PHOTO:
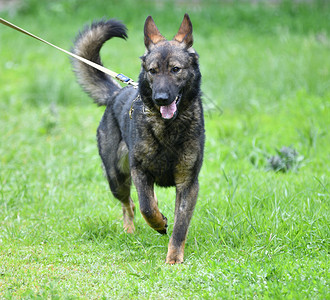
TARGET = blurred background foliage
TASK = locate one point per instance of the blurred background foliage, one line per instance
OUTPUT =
(253, 54)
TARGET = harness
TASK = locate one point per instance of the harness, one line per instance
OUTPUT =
(145, 109)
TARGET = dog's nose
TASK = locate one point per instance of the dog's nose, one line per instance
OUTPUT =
(161, 98)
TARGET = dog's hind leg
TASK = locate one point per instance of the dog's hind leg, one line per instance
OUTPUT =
(128, 215)
(122, 188)
(148, 201)
(114, 155)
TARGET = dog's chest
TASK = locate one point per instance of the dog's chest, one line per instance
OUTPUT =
(158, 155)
(166, 151)
(162, 152)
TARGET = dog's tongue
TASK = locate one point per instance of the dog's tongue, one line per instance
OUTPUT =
(168, 111)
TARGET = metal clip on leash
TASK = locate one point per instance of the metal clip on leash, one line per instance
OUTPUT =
(127, 80)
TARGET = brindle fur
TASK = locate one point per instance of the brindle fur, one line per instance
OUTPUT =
(147, 148)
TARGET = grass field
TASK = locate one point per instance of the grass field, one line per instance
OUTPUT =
(255, 233)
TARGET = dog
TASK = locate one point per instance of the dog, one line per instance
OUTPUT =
(153, 135)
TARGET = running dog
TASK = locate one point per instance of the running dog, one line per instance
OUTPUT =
(153, 134)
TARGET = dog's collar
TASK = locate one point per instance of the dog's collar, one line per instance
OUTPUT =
(145, 110)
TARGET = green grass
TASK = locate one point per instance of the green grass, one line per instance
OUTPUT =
(255, 233)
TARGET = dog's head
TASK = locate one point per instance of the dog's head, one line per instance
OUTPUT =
(168, 67)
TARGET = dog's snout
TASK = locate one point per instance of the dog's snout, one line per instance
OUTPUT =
(161, 98)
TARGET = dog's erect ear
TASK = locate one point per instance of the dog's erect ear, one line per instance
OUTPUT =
(184, 34)
(151, 33)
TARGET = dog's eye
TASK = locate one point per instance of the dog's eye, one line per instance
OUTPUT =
(152, 71)
(175, 69)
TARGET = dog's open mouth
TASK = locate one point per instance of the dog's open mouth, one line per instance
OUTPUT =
(170, 111)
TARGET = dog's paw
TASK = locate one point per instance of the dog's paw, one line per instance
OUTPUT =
(163, 230)
(129, 228)
(174, 254)
(171, 260)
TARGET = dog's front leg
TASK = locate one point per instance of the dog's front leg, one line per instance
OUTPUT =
(148, 201)
(186, 197)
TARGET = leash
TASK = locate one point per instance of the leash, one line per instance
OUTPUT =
(118, 76)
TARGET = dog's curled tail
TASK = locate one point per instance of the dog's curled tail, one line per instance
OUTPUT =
(98, 85)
